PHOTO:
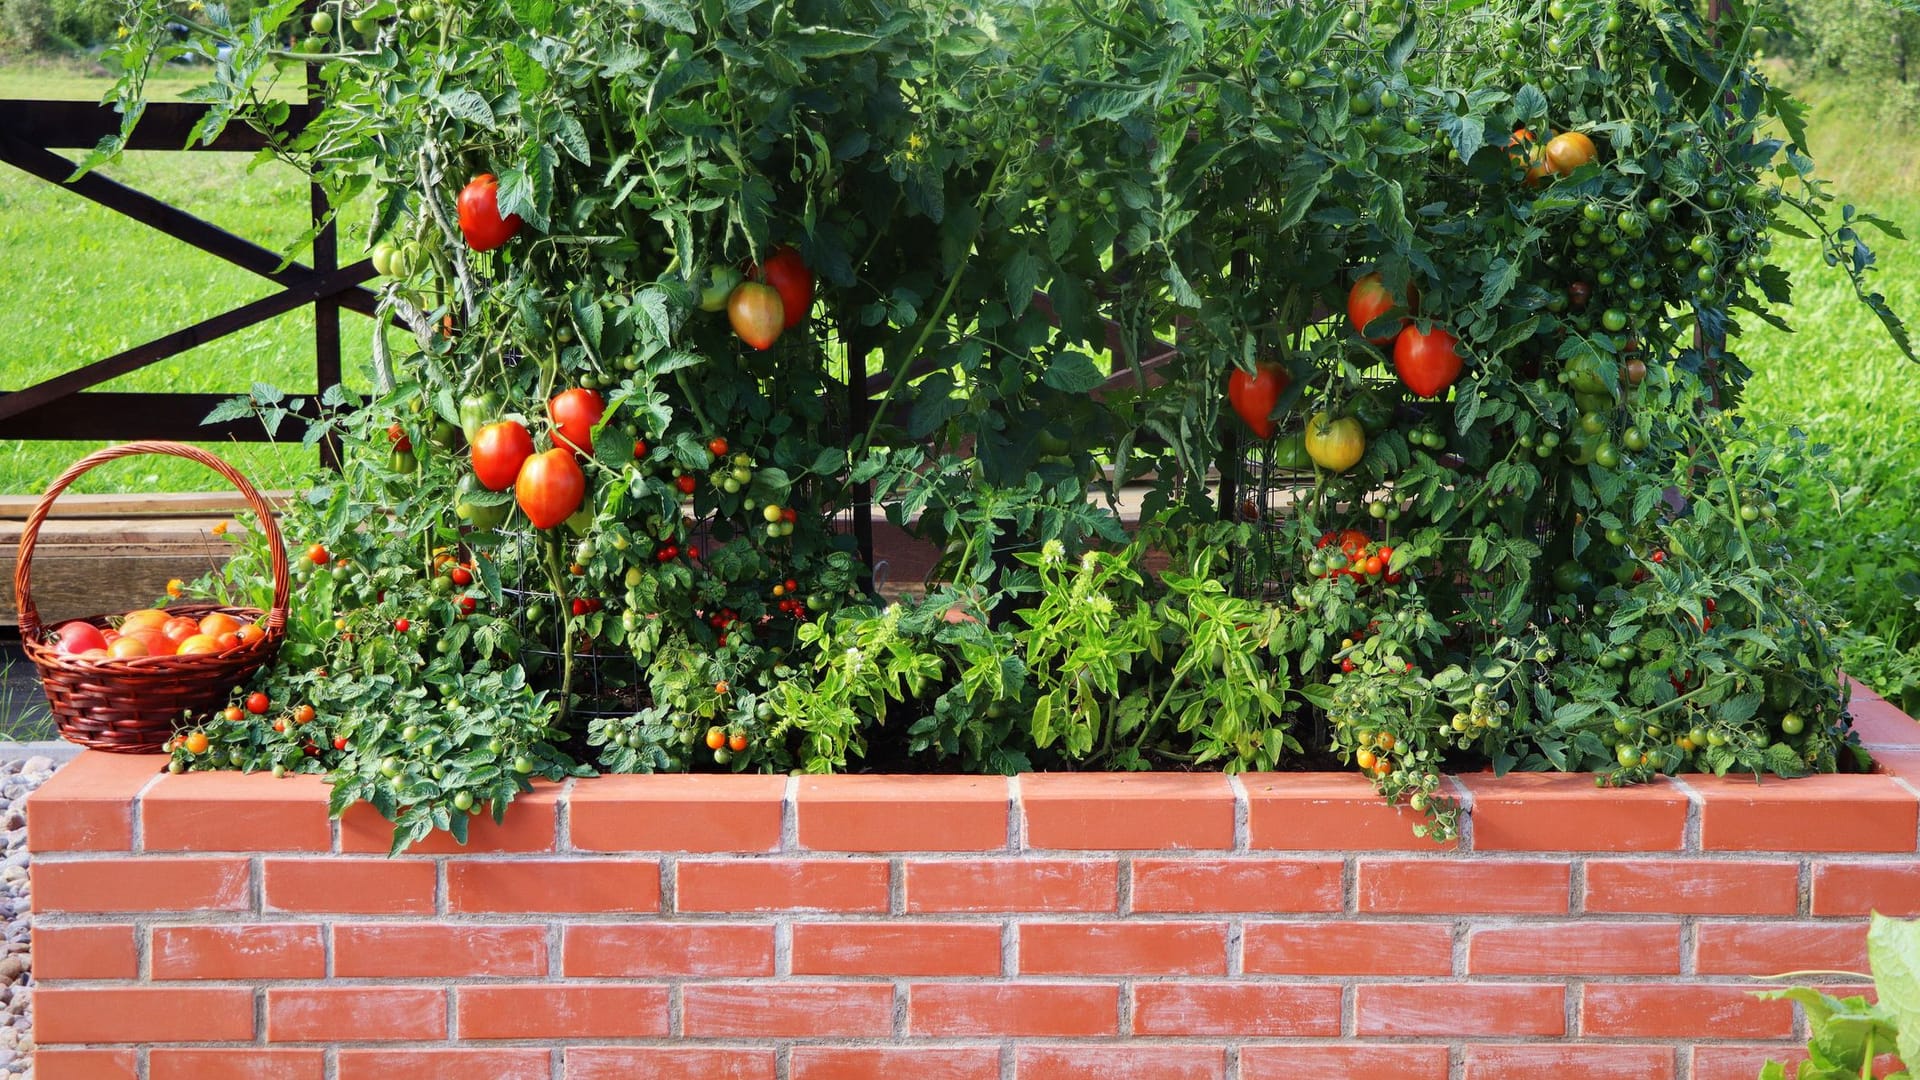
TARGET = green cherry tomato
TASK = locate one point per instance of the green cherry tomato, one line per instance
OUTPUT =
(1614, 320)
(1793, 724)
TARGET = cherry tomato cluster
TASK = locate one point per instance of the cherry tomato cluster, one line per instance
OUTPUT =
(1354, 554)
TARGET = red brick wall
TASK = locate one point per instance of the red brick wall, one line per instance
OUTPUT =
(1051, 927)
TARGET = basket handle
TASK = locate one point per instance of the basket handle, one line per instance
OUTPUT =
(276, 619)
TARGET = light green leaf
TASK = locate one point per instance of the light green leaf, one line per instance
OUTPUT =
(1893, 950)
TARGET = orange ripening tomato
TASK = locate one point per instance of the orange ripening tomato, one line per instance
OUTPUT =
(157, 643)
(126, 648)
(199, 645)
(180, 628)
(249, 633)
(1568, 151)
(1369, 300)
(215, 623)
(1525, 152)
(144, 617)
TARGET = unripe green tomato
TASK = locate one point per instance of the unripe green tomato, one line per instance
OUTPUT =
(463, 801)
(322, 22)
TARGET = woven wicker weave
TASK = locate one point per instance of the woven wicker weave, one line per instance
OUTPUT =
(133, 706)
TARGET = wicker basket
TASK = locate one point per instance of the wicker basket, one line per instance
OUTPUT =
(132, 706)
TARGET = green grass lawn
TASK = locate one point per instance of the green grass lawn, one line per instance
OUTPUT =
(84, 282)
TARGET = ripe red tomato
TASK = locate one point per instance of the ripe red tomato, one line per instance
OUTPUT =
(757, 313)
(574, 414)
(789, 276)
(550, 487)
(1254, 395)
(686, 483)
(717, 446)
(317, 554)
(1568, 151)
(480, 220)
(258, 703)
(1368, 300)
(1427, 362)
(498, 452)
(78, 637)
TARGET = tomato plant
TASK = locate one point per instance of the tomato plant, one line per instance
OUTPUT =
(1028, 244)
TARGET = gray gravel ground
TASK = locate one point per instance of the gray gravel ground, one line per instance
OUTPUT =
(19, 775)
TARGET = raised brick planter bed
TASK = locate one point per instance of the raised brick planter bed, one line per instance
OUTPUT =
(1050, 927)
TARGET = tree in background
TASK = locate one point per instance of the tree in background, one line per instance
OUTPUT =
(26, 25)
(1873, 40)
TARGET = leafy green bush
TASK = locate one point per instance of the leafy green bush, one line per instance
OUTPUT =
(1533, 534)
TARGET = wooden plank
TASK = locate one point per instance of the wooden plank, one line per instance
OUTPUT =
(138, 504)
(80, 125)
(124, 417)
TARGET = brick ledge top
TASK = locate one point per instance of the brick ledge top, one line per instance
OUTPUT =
(109, 802)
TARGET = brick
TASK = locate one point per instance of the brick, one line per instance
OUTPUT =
(1348, 948)
(832, 1063)
(1566, 812)
(1133, 948)
(1051, 885)
(1582, 948)
(1677, 1011)
(1570, 1062)
(252, 1063)
(1108, 1062)
(1368, 1061)
(142, 1015)
(1470, 1009)
(1118, 811)
(144, 885)
(903, 813)
(1012, 1010)
(1727, 1062)
(767, 1010)
(1880, 723)
(1691, 887)
(1258, 885)
(1326, 812)
(1773, 948)
(1476, 887)
(635, 950)
(434, 951)
(597, 1011)
(530, 826)
(677, 813)
(1266, 1010)
(1858, 888)
(362, 1013)
(87, 804)
(1732, 1062)
(54, 1063)
(668, 1063)
(553, 885)
(232, 811)
(348, 886)
(84, 952)
(463, 1064)
(1904, 764)
(896, 948)
(782, 885)
(269, 951)
(1812, 813)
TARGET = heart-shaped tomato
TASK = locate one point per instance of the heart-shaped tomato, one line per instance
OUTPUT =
(1255, 394)
(550, 487)
(1369, 299)
(479, 212)
(757, 314)
(787, 272)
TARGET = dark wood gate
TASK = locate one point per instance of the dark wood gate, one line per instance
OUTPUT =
(64, 407)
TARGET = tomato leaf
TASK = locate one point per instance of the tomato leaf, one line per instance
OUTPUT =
(1073, 373)
(1893, 950)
